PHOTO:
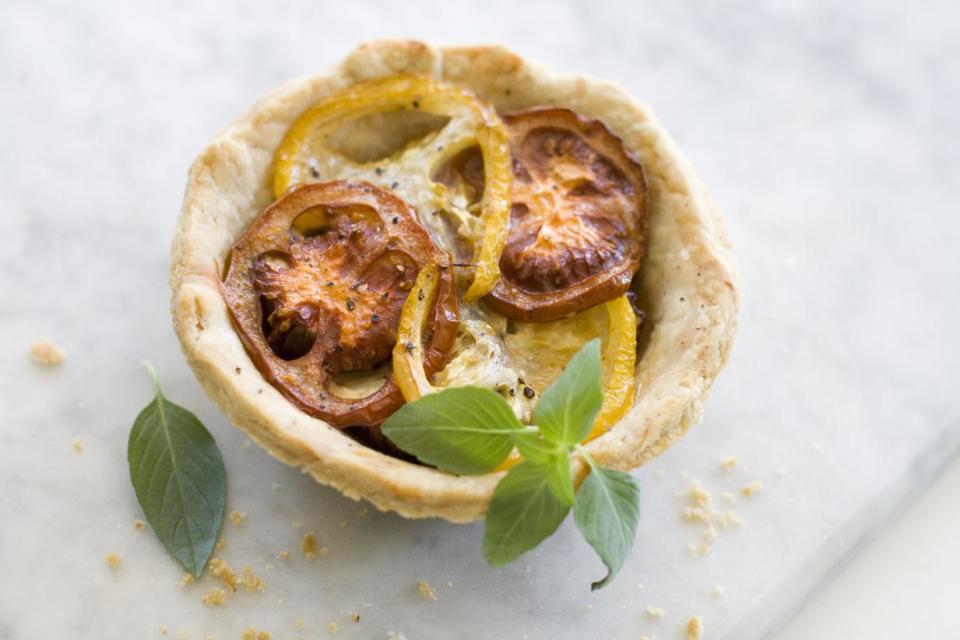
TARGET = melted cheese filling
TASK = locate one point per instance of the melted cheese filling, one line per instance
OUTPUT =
(480, 356)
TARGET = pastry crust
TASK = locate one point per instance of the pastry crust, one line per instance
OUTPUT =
(689, 283)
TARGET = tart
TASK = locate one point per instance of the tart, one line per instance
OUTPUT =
(422, 217)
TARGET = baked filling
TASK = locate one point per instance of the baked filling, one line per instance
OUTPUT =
(485, 250)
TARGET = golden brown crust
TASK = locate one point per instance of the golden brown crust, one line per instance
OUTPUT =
(688, 280)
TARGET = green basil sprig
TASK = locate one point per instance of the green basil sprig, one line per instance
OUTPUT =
(178, 476)
(469, 430)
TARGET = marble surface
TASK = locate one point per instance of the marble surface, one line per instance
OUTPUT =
(903, 585)
(827, 135)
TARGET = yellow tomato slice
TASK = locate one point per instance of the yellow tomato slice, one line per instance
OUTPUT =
(545, 348)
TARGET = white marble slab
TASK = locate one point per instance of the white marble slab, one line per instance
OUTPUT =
(827, 135)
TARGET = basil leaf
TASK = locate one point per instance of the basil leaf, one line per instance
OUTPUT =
(569, 406)
(465, 430)
(535, 447)
(557, 472)
(524, 512)
(607, 511)
(178, 476)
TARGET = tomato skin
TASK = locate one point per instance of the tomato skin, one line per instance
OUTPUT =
(315, 286)
(578, 217)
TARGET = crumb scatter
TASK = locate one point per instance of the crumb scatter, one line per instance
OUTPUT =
(310, 548)
(237, 517)
(251, 581)
(112, 560)
(139, 525)
(426, 590)
(729, 462)
(47, 353)
(751, 488)
(215, 597)
(224, 572)
(654, 612)
(695, 628)
(77, 445)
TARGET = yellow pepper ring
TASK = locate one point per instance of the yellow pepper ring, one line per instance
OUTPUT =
(399, 92)
(408, 371)
(619, 359)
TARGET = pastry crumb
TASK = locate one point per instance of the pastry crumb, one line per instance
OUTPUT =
(310, 548)
(694, 514)
(186, 579)
(251, 581)
(695, 628)
(728, 518)
(112, 560)
(215, 597)
(299, 623)
(237, 517)
(332, 628)
(47, 353)
(355, 617)
(699, 496)
(729, 462)
(264, 635)
(654, 612)
(139, 525)
(717, 591)
(427, 591)
(221, 544)
(751, 488)
(283, 555)
(77, 445)
(224, 572)
(163, 629)
(249, 634)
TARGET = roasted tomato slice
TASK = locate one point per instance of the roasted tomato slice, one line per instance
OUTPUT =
(315, 287)
(577, 219)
